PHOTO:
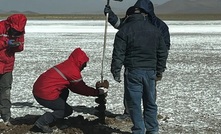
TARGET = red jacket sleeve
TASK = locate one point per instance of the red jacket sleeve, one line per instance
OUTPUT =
(3, 43)
(82, 89)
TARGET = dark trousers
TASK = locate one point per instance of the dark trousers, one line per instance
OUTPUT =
(59, 106)
(5, 95)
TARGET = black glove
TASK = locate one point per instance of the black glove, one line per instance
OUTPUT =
(107, 9)
(13, 43)
(112, 17)
(159, 76)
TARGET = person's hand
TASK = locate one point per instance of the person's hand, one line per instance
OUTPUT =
(117, 79)
(104, 84)
(159, 76)
(107, 9)
(13, 43)
(102, 90)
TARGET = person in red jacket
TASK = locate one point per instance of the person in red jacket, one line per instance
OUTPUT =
(12, 32)
(51, 89)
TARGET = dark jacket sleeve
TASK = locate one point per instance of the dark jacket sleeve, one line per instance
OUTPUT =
(82, 89)
(164, 30)
(166, 36)
(162, 54)
(114, 20)
(118, 55)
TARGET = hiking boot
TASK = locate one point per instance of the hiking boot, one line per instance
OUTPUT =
(7, 120)
(7, 123)
(44, 128)
(123, 117)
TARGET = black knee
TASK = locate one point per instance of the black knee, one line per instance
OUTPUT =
(68, 111)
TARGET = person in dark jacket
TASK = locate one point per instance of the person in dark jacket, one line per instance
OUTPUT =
(139, 47)
(117, 22)
(148, 7)
(12, 32)
(51, 89)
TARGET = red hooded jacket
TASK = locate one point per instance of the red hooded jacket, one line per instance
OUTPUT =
(67, 74)
(7, 54)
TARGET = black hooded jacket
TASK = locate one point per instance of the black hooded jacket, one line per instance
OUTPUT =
(138, 44)
(148, 7)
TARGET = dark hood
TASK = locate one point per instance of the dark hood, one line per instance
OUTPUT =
(147, 6)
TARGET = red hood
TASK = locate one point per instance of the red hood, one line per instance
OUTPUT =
(79, 57)
(17, 21)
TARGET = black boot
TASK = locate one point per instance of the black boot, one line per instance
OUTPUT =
(44, 128)
(7, 120)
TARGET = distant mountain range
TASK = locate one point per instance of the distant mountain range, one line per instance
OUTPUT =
(170, 7)
(14, 11)
(189, 7)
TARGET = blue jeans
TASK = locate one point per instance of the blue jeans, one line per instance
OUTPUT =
(140, 86)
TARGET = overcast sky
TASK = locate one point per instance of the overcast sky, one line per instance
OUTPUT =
(66, 6)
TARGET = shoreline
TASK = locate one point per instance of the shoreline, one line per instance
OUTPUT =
(183, 17)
